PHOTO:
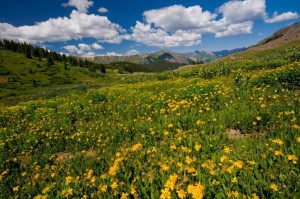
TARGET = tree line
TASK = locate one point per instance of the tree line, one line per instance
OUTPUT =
(51, 57)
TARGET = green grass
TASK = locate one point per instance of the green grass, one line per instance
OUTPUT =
(21, 76)
(161, 135)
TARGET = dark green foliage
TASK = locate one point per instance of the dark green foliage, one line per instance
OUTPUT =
(127, 67)
(31, 51)
(98, 97)
(50, 61)
(28, 53)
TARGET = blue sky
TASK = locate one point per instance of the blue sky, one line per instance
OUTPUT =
(93, 27)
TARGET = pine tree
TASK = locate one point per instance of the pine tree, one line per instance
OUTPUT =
(50, 61)
(28, 53)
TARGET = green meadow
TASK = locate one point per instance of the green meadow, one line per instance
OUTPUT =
(228, 129)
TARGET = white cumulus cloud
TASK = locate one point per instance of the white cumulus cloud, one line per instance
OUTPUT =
(97, 46)
(81, 5)
(83, 50)
(178, 17)
(150, 36)
(132, 52)
(236, 29)
(103, 10)
(282, 17)
(184, 26)
(77, 26)
(241, 11)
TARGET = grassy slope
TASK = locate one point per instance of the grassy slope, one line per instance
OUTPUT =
(164, 136)
(32, 76)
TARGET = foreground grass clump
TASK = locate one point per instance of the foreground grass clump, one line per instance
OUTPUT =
(158, 139)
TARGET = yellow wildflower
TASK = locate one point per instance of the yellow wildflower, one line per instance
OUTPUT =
(68, 192)
(68, 180)
(223, 158)
(234, 180)
(215, 182)
(258, 118)
(197, 147)
(298, 139)
(293, 158)
(170, 125)
(46, 190)
(189, 160)
(196, 191)
(254, 196)
(124, 195)
(170, 184)
(181, 194)
(114, 185)
(230, 169)
(165, 194)
(173, 147)
(239, 164)
(103, 188)
(15, 189)
(132, 190)
(278, 141)
(274, 187)
(227, 150)
(136, 147)
(278, 153)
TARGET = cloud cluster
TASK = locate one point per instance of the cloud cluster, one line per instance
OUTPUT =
(283, 17)
(81, 5)
(165, 27)
(82, 49)
(77, 26)
(180, 26)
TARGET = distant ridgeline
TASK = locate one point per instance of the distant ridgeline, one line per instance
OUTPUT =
(34, 51)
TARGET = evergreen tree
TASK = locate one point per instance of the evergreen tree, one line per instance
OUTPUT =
(102, 69)
(50, 61)
(28, 53)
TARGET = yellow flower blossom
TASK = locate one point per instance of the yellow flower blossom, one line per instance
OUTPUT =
(197, 147)
(173, 147)
(165, 194)
(234, 180)
(189, 159)
(114, 185)
(181, 193)
(274, 187)
(258, 118)
(196, 191)
(223, 158)
(278, 153)
(298, 139)
(227, 150)
(132, 190)
(239, 164)
(15, 189)
(68, 192)
(215, 182)
(278, 141)
(230, 169)
(124, 195)
(136, 147)
(46, 190)
(254, 196)
(293, 158)
(68, 180)
(103, 188)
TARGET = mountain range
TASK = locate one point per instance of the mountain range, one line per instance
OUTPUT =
(167, 56)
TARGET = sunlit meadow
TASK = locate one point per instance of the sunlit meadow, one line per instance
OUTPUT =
(160, 136)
